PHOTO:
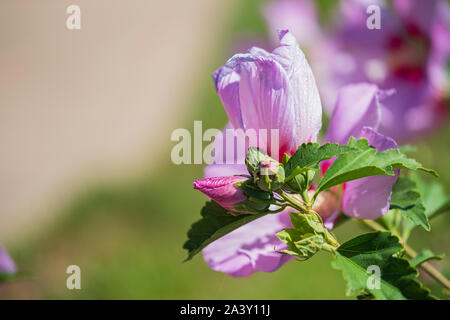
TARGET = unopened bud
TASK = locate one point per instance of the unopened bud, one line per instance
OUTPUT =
(237, 194)
(270, 176)
(300, 182)
(267, 173)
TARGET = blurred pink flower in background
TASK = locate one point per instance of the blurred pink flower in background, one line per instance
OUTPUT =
(7, 265)
(410, 53)
(299, 16)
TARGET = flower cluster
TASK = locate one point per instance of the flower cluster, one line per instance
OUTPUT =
(277, 90)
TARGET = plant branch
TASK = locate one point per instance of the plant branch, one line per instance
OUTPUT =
(293, 203)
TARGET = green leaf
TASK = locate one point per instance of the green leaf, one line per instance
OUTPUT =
(373, 247)
(258, 201)
(366, 162)
(214, 224)
(434, 196)
(309, 155)
(308, 236)
(436, 201)
(408, 200)
(397, 278)
(424, 256)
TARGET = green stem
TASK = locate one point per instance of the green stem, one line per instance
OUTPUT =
(426, 266)
(293, 203)
(329, 248)
(305, 197)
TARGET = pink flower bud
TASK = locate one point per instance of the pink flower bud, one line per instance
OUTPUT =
(222, 190)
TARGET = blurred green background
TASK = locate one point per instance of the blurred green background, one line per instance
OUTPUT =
(127, 236)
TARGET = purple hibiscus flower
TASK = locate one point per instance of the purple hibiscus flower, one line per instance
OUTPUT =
(277, 90)
(410, 53)
(358, 113)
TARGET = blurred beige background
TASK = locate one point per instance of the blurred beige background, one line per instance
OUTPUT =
(79, 104)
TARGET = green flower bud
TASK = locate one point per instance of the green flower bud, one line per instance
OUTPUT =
(300, 182)
(253, 159)
(270, 176)
(267, 173)
(258, 201)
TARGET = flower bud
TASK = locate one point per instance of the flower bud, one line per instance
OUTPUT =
(236, 194)
(254, 157)
(300, 182)
(270, 176)
(222, 190)
(267, 173)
